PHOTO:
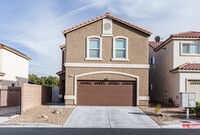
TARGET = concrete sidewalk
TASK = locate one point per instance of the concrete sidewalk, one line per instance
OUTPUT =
(109, 117)
(4, 119)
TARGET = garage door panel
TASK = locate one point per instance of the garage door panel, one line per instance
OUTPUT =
(97, 103)
(84, 102)
(102, 93)
(194, 86)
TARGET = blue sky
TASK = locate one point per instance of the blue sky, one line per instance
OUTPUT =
(35, 27)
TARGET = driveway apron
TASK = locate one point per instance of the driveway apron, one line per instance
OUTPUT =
(109, 117)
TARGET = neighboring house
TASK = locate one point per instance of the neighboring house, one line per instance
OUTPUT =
(105, 62)
(14, 67)
(175, 68)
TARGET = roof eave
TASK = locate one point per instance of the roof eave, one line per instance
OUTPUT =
(2, 74)
(15, 51)
(184, 71)
(173, 38)
(62, 46)
(163, 44)
(152, 46)
(60, 72)
(109, 16)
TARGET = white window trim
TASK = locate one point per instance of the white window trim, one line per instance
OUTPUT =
(87, 48)
(106, 65)
(120, 59)
(189, 54)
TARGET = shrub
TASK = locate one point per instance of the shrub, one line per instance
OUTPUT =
(197, 103)
(170, 101)
(157, 110)
(193, 110)
(197, 109)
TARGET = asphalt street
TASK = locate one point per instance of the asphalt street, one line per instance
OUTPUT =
(98, 131)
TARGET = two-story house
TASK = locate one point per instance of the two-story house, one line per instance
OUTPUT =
(14, 67)
(175, 67)
(105, 62)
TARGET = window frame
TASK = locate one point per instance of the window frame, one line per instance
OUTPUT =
(88, 48)
(189, 54)
(152, 60)
(114, 49)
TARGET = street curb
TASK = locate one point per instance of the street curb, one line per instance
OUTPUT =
(28, 125)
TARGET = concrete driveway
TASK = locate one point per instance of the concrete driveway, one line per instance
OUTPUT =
(109, 117)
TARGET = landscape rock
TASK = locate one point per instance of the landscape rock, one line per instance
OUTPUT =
(45, 116)
(34, 115)
(57, 111)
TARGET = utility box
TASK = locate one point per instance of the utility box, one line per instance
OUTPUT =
(188, 99)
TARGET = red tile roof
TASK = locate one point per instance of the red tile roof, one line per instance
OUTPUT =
(188, 66)
(104, 16)
(188, 34)
(154, 44)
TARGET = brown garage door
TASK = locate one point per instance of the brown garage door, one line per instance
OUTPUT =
(106, 93)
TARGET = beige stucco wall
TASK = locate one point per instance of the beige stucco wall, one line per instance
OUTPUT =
(152, 72)
(137, 44)
(165, 83)
(141, 73)
(76, 53)
(169, 85)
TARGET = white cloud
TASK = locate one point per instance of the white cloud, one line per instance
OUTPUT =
(162, 17)
(41, 30)
(42, 35)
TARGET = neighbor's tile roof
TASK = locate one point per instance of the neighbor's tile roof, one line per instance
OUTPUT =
(104, 16)
(154, 44)
(188, 66)
(188, 34)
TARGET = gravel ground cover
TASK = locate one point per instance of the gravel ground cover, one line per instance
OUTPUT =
(43, 114)
(166, 114)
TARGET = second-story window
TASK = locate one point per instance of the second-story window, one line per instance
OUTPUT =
(191, 49)
(94, 48)
(120, 48)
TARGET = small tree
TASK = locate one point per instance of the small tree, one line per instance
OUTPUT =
(50, 81)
